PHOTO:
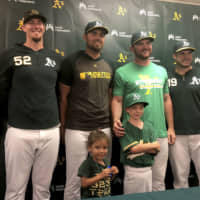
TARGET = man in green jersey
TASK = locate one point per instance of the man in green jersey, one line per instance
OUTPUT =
(148, 79)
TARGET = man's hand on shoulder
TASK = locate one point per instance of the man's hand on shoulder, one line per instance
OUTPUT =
(118, 128)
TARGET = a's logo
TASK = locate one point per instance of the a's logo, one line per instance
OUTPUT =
(143, 34)
(195, 81)
(146, 34)
(152, 35)
(177, 16)
(95, 65)
(58, 4)
(186, 43)
(122, 58)
(121, 11)
(20, 24)
(98, 23)
(136, 97)
(197, 60)
(62, 53)
(50, 62)
(195, 17)
(148, 13)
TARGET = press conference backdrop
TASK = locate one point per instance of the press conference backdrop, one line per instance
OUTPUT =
(166, 22)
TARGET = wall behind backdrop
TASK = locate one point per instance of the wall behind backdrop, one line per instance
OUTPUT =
(166, 22)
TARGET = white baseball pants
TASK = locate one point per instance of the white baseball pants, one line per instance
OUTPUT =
(27, 150)
(76, 153)
(185, 149)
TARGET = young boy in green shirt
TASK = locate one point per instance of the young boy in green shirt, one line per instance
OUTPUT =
(138, 147)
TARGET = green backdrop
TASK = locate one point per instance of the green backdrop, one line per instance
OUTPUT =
(167, 22)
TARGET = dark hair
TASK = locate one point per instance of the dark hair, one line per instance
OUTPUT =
(95, 136)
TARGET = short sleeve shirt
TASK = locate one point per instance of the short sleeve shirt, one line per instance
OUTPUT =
(134, 136)
(185, 95)
(150, 81)
(89, 168)
(88, 102)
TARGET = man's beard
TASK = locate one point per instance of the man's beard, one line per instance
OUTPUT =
(93, 48)
(140, 56)
(36, 39)
(97, 50)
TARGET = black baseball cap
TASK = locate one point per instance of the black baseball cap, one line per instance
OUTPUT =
(181, 46)
(136, 37)
(33, 14)
(94, 25)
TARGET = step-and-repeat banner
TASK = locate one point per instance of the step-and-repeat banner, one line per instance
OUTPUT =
(166, 22)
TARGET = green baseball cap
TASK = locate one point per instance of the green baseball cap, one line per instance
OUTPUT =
(136, 37)
(95, 25)
(181, 46)
(134, 98)
(33, 14)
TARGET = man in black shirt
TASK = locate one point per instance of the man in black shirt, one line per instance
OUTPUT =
(85, 83)
(28, 76)
(184, 84)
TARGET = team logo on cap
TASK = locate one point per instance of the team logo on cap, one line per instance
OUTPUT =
(136, 97)
(144, 34)
(98, 23)
(186, 43)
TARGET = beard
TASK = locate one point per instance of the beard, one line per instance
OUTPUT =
(97, 50)
(141, 56)
(36, 39)
(94, 48)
